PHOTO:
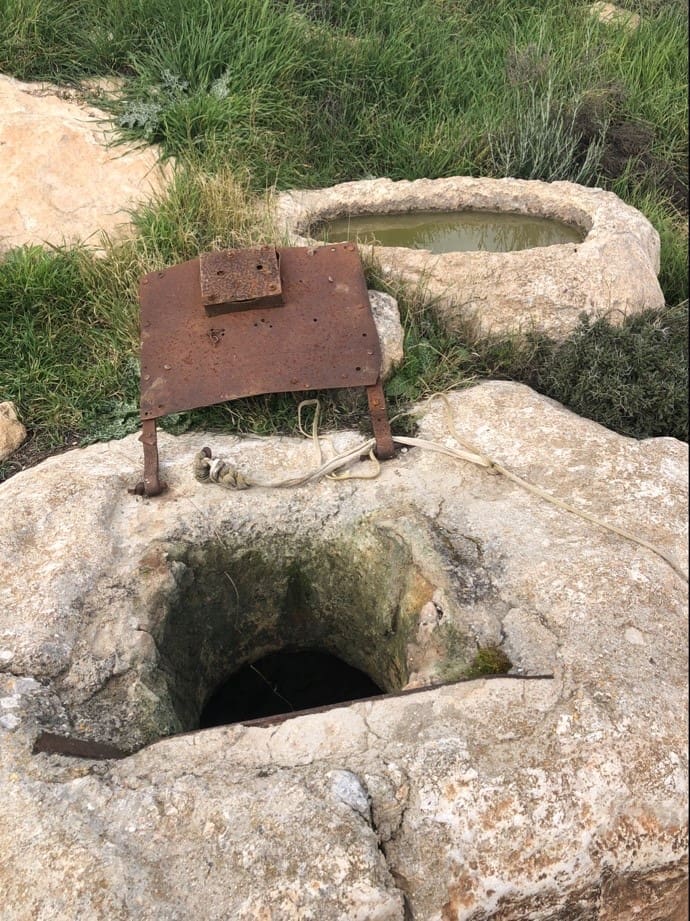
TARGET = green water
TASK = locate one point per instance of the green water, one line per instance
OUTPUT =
(452, 231)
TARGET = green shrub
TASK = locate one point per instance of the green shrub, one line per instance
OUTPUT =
(631, 378)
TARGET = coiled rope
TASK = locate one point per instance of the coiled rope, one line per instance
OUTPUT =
(208, 469)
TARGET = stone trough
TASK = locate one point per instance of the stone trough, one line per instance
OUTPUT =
(557, 791)
(612, 272)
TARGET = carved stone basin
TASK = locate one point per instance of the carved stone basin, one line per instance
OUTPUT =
(612, 271)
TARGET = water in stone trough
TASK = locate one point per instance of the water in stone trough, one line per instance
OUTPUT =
(452, 231)
(283, 682)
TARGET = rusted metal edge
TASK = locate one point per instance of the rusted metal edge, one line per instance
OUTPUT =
(385, 449)
(282, 717)
(151, 485)
(50, 743)
(54, 744)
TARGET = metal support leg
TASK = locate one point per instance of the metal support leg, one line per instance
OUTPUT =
(151, 485)
(385, 448)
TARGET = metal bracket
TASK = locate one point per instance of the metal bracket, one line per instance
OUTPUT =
(385, 449)
(238, 323)
(51, 743)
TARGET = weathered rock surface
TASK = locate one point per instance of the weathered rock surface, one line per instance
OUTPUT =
(12, 432)
(62, 180)
(508, 798)
(613, 272)
(386, 315)
(613, 15)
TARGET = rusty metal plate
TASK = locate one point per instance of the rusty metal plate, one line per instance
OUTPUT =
(240, 279)
(322, 337)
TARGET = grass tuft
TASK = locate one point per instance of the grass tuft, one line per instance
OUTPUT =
(542, 142)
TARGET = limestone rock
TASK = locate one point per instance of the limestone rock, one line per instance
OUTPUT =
(63, 181)
(12, 432)
(554, 793)
(613, 272)
(391, 336)
(610, 14)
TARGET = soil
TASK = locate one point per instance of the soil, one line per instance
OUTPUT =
(33, 451)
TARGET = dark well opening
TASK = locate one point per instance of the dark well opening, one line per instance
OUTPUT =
(360, 596)
(285, 682)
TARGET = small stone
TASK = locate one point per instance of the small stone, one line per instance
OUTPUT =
(12, 432)
(349, 789)
(613, 15)
(633, 635)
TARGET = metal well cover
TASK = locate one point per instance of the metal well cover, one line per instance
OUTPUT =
(322, 337)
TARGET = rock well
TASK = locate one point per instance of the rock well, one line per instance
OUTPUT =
(512, 797)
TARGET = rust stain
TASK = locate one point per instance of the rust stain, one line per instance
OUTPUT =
(461, 895)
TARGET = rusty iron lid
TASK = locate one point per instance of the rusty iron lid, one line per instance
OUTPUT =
(322, 336)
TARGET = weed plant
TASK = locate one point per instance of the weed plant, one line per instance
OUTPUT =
(488, 660)
(630, 377)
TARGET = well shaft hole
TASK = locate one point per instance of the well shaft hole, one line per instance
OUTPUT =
(285, 682)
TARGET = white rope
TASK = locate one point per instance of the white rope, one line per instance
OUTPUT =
(215, 470)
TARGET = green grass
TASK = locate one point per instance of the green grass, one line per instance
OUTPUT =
(315, 92)
(68, 343)
(248, 94)
(68, 357)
